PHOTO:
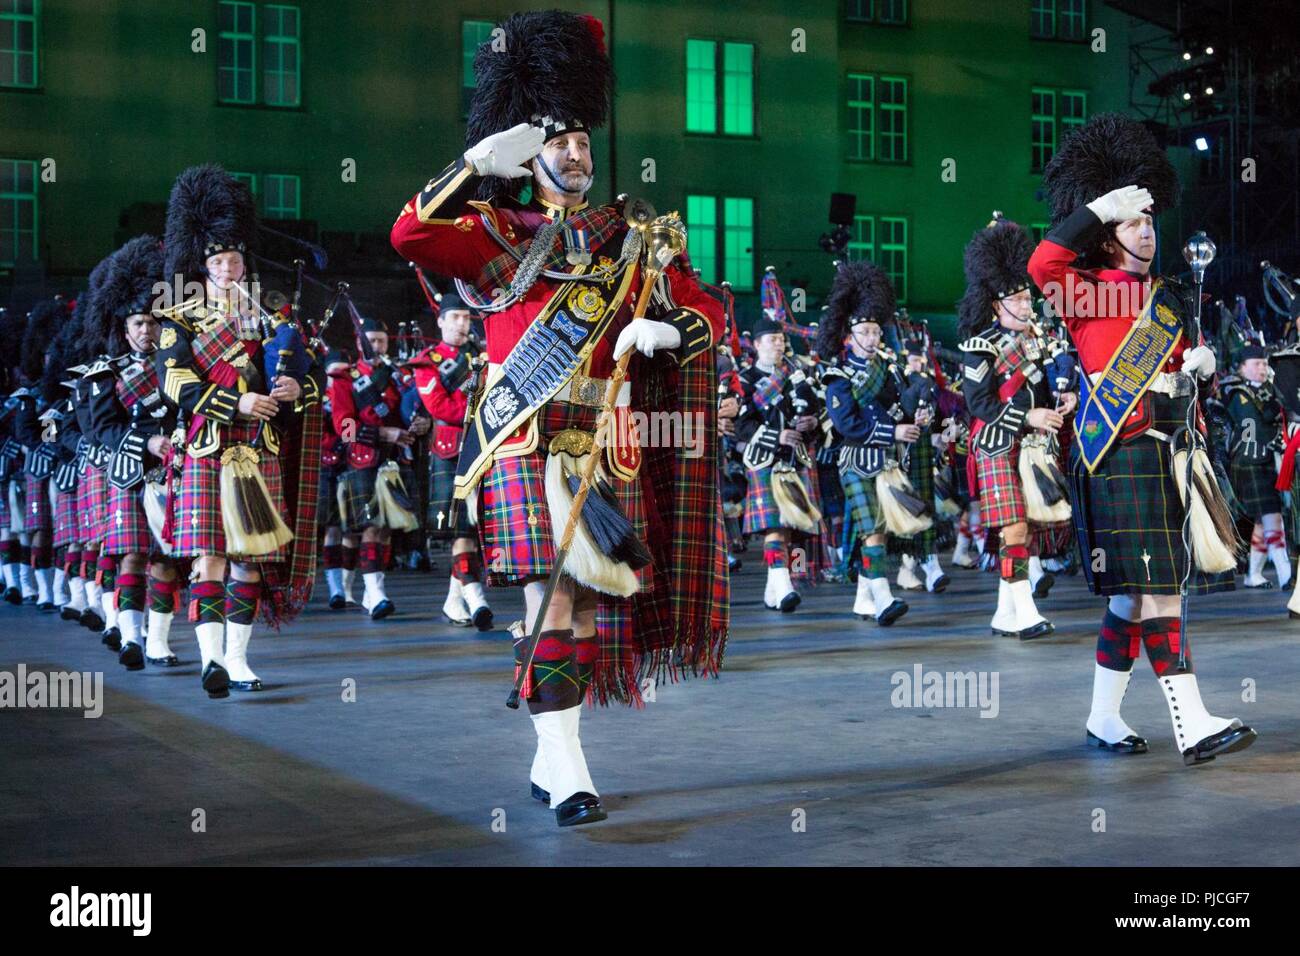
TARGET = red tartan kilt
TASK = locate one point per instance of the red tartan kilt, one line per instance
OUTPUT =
(40, 516)
(198, 528)
(513, 491)
(66, 526)
(1001, 496)
(92, 505)
(127, 526)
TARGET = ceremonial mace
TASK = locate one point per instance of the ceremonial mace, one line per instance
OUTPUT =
(1199, 252)
(664, 239)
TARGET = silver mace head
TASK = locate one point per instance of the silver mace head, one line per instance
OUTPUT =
(1199, 252)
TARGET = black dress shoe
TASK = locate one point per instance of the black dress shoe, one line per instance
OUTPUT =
(1044, 585)
(171, 660)
(70, 614)
(940, 584)
(789, 603)
(578, 809)
(13, 596)
(338, 602)
(1132, 744)
(892, 613)
(112, 639)
(538, 793)
(733, 563)
(1265, 585)
(1041, 629)
(382, 610)
(1294, 615)
(216, 681)
(131, 657)
(45, 606)
(91, 620)
(248, 686)
(458, 621)
(483, 618)
(1236, 736)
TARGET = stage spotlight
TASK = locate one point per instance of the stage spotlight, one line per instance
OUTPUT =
(1186, 95)
(1186, 55)
(1209, 51)
(1202, 144)
(1209, 91)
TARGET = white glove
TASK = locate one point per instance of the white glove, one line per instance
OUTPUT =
(504, 154)
(1121, 205)
(646, 335)
(1199, 361)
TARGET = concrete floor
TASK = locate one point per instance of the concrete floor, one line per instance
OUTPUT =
(800, 728)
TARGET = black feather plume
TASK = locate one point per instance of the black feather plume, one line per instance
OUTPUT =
(861, 288)
(127, 288)
(996, 263)
(208, 207)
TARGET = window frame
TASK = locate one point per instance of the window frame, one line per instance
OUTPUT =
(901, 294)
(873, 16)
(721, 229)
(16, 197)
(1059, 15)
(283, 40)
(34, 18)
(264, 206)
(251, 38)
(879, 112)
(719, 74)
(1050, 119)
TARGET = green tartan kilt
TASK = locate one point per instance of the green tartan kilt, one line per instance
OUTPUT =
(762, 513)
(861, 503)
(327, 502)
(1128, 517)
(920, 472)
(443, 520)
(356, 489)
(1253, 484)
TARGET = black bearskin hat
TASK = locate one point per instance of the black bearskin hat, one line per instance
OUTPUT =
(42, 323)
(209, 212)
(861, 290)
(553, 71)
(1107, 152)
(127, 289)
(996, 263)
(12, 323)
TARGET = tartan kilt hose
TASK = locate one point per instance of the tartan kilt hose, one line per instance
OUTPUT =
(861, 503)
(761, 511)
(92, 505)
(1129, 509)
(40, 516)
(66, 526)
(515, 530)
(127, 527)
(1253, 484)
(441, 520)
(197, 521)
(1001, 495)
(327, 502)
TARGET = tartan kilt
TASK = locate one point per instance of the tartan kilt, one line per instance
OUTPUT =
(831, 491)
(197, 524)
(861, 503)
(127, 527)
(327, 502)
(442, 521)
(40, 516)
(1130, 507)
(920, 472)
(66, 526)
(1254, 485)
(357, 488)
(761, 511)
(92, 505)
(515, 530)
(1001, 495)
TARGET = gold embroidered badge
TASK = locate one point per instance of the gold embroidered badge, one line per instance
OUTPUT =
(168, 338)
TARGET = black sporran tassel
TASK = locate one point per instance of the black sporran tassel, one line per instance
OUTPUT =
(608, 526)
(1048, 487)
(910, 502)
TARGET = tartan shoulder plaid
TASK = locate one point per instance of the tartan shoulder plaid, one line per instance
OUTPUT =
(136, 379)
(603, 224)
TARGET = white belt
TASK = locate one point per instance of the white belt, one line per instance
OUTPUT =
(592, 390)
(1166, 383)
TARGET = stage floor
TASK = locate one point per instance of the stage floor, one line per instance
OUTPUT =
(796, 755)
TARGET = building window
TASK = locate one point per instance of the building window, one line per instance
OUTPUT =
(732, 113)
(1047, 127)
(863, 243)
(276, 195)
(18, 233)
(280, 54)
(473, 33)
(236, 52)
(892, 12)
(877, 124)
(1057, 19)
(19, 23)
(281, 27)
(281, 196)
(882, 240)
(721, 233)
